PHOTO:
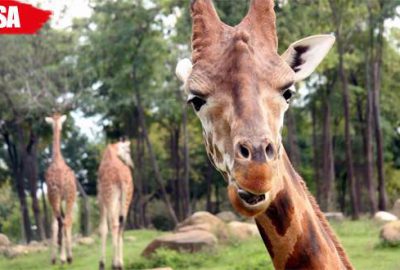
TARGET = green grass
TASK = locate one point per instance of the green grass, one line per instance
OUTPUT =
(360, 239)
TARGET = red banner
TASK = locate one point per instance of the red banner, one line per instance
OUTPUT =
(20, 18)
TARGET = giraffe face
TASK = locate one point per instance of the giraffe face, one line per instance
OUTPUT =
(124, 152)
(240, 89)
(56, 121)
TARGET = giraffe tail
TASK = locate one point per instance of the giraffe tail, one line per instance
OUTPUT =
(60, 221)
(122, 208)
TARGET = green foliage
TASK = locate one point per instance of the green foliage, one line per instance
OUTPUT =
(392, 182)
(9, 215)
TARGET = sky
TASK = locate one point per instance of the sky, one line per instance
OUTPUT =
(63, 11)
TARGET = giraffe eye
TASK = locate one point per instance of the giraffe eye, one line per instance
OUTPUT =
(287, 95)
(197, 102)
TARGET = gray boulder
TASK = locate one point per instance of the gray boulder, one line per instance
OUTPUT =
(4, 241)
(205, 221)
(334, 216)
(227, 216)
(384, 217)
(242, 230)
(390, 233)
(190, 241)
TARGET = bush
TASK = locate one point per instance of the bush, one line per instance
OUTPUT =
(171, 258)
(159, 216)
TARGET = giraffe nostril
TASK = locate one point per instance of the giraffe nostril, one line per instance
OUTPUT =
(244, 152)
(270, 152)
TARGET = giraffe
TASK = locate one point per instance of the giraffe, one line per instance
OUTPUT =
(61, 187)
(240, 88)
(115, 190)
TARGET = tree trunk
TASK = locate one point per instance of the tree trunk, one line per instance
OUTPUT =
(45, 211)
(19, 177)
(376, 112)
(153, 159)
(139, 216)
(368, 147)
(316, 156)
(30, 172)
(175, 163)
(348, 142)
(85, 210)
(186, 167)
(346, 107)
(328, 169)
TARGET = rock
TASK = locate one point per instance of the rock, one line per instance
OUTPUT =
(130, 238)
(162, 268)
(206, 222)
(202, 227)
(4, 241)
(18, 250)
(86, 241)
(384, 217)
(396, 208)
(191, 241)
(334, 216)
(390, 233)
(227, 216)
(242, 230)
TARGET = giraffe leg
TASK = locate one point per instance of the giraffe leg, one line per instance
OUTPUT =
(54, 240)
(103, 228)
(114, 218)
(68, 238)
(68, 229)
(121, 223)
(115, 240)
(121, 242)
(63, 255)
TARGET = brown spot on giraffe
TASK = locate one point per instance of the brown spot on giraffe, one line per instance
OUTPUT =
(307, 251)
(242, 83)
(115, 191)
(61, 187)
(281, 211)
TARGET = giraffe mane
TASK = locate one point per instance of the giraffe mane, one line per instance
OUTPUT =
(325, 225)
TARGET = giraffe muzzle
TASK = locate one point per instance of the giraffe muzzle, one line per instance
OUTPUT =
(250, 198)
(246, 202)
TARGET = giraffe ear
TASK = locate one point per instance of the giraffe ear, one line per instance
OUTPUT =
(63, 118)
(49, 120)
(183, 69)
(304, 55)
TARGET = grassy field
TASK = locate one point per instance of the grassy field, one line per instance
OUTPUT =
(360, 239)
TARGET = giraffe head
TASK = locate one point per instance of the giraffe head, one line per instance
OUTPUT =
(56, 121)
(124, 152)
(240, 88)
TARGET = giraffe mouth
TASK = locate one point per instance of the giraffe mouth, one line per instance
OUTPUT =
(250, 198)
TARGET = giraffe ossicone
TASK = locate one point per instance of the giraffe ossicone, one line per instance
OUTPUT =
(240, 89)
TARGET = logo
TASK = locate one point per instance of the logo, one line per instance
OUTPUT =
(20, 18)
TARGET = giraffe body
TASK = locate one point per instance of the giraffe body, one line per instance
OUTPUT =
(240, 88)
(115, 190)
(61, 193)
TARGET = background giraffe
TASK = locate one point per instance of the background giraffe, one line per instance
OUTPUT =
(115, 189)
(61, 187)
(240, 89)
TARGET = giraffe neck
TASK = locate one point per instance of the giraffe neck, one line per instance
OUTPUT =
(57, 145)
(294, 231)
